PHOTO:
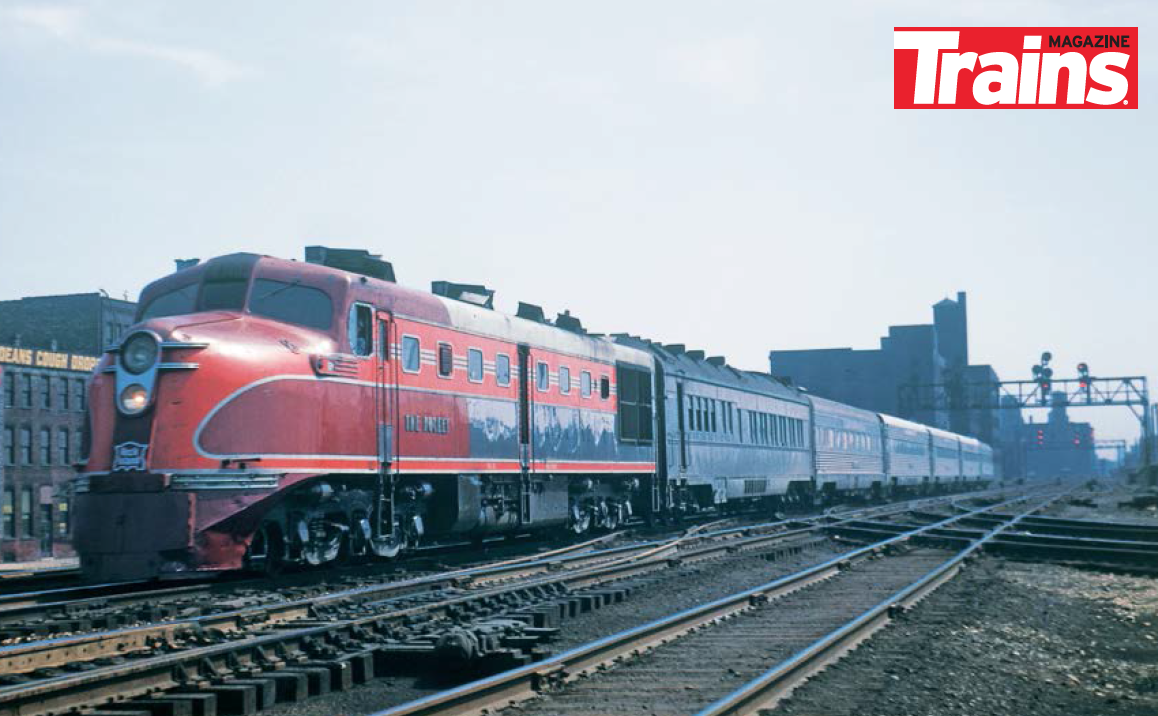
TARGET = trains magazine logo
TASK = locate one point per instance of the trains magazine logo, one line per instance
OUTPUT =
(1015, 67)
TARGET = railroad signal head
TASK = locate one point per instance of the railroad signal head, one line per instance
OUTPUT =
(1036, 370)
(1083, 369)
(1046, 357)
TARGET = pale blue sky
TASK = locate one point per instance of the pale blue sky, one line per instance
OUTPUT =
(729, 175)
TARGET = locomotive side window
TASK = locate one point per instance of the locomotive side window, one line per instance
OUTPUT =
(360, 330)
(292, 303)
(445, 360)
(503, 369)
(411, 354)
(585, 384)
(564, 380)
(474, 365)
(542, 377)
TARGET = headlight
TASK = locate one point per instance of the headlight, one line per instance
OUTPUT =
(134, 399)
(139, 353)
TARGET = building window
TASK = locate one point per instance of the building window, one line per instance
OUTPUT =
(604, 387)
(411, 354)
(445, 360)
(564, 380)
(9, 390)
(9, 446)
(26, 512)
(80, 396)
(25, 446)
(585, 384)
(62, 445)
(26, 391)
(542, 377)
(474, 365)
(8, 513)
(503, 369)
(46, 392)
(45, 447)
(62, 394)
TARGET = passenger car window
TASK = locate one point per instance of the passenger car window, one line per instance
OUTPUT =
(292, 303)
(503, 369)
(445, 360)
(474, 365)
(542, 377)
(411, 354)
(361, 330)
(604, 387)
(564, 380)
(585, 384)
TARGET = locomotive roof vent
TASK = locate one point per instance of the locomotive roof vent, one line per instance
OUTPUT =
(531, 312)
(676, 348)
(357, 261)
(569, 323)
(717, 360)
(695, 355)
(473, 293)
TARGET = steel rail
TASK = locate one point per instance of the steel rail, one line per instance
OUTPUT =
(158, 672)
(487, 695)
(765, 690)
(150, 673)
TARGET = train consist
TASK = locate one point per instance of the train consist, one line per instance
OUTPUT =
(265, 412)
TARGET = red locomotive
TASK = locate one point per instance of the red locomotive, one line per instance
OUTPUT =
(266, 411)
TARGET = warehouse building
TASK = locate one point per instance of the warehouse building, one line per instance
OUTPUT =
(48, 348)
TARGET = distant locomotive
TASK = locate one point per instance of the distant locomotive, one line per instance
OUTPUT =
(265, 412)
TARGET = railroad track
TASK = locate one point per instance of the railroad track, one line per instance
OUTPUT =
(45, 613)
(348, 635)
(798, 622)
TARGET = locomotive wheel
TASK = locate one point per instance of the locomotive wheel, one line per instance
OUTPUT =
(580, 520)
(266, 552)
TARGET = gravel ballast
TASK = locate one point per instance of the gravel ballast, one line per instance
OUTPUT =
(1005, 638)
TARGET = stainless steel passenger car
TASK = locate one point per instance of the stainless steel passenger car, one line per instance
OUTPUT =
(849, 454)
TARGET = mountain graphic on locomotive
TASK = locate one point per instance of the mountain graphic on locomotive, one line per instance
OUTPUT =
(265, 412)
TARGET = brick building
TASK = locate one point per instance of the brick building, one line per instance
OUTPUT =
(73, 323)
(48, 347)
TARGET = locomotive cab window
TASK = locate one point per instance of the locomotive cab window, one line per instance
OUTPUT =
(293, 303)
(173, 303)
(634, 404)
(361, 329)
(445, 360)
(411, 354)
